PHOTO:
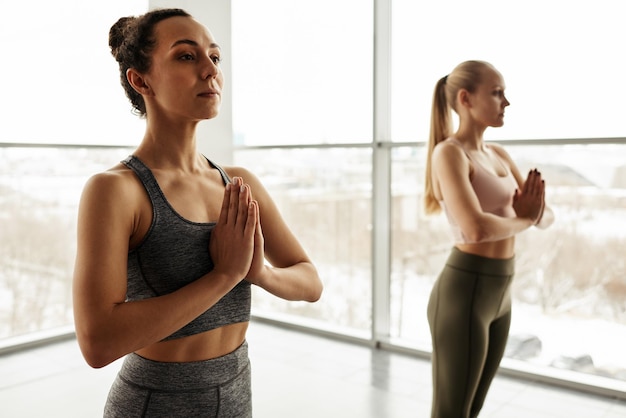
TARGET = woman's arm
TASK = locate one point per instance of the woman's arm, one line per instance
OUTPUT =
(451, 170)
(545, 217)
(291, 275)
(108, 327)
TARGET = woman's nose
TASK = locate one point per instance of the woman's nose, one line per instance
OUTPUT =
(211, 69)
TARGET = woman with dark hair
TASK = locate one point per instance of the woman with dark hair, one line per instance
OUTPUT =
(487, 202)
(169, 243)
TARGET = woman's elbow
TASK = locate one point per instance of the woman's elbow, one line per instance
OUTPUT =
(95, 353)
(95, 358)
(546, 220)
(316, 292)
(317, 288)
(312, 288)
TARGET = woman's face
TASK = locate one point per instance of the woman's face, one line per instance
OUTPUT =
(185, 80)
(489, 101)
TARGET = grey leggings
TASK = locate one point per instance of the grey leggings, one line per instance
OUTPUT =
(212, 388)
(469, 313)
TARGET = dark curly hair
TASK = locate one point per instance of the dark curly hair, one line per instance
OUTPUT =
(132, 41)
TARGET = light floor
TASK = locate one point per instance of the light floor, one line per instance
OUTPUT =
(295, 375)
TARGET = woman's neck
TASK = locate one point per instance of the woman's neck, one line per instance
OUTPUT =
(168, 146)
(471, 136)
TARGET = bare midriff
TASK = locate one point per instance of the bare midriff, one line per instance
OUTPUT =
(502, 249)
(204, 346)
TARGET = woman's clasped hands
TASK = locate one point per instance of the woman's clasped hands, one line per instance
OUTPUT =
(236, 244)
(530, 201)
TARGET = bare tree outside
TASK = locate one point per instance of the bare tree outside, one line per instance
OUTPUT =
(574, 271)
(39, 193)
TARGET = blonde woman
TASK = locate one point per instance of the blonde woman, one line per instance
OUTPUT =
(487, 202)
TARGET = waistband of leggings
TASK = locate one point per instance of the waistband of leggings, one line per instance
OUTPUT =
(480, 264)
(184, 376)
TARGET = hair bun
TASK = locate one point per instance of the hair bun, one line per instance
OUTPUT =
(117, 34)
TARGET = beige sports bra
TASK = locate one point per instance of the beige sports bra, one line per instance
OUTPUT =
(495, 193)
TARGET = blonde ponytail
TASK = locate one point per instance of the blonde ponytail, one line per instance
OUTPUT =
(440, 129)
(467, 75)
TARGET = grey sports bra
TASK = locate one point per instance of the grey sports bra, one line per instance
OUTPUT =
(174, 253)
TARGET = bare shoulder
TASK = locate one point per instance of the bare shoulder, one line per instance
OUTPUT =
(448, 152)
(237, 171)
(116, 181)
(114, 192)
(247, 176)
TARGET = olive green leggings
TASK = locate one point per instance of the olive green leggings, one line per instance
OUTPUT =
(469, 313)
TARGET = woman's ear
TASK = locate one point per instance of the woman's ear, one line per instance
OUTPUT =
(138, 82)
(463, 98)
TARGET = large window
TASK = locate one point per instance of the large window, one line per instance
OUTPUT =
(39, 192)
(302, 75)
(561, 61)
(325, 197)
(302, 71)
(303, 118)
(561, 80)
(59, 81)
(60, 85)
(563, 84)
(569, 289)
